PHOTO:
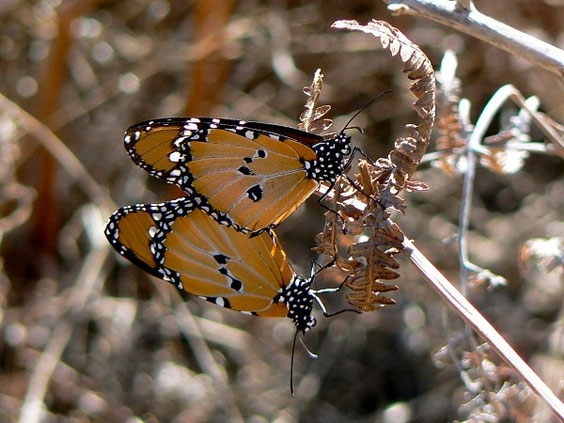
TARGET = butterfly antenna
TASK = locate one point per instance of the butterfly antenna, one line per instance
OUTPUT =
(313, 272)
(292, 364)
(367, 105)
(358, 128)
(308, 351)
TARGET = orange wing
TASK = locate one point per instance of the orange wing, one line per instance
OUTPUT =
(255, 178)
(260, 183)
(185, 246)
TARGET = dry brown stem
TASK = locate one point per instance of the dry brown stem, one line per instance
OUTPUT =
(369, 261)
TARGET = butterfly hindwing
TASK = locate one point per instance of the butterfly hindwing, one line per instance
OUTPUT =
(255, 173)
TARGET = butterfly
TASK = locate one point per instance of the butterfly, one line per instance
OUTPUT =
(179, 242)
(250, 175)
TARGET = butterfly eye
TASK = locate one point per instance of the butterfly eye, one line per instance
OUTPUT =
(312, 323)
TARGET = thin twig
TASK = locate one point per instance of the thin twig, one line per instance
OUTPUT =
(465, 209)
(474, 146)
(482, 327)
(61, 153)
(472, 22)
(89, 277)
(547, 130)
(190, 328)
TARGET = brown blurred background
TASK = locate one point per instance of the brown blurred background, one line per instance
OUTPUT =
(86, 337)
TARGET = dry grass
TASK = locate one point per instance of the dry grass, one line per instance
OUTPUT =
(86, 337)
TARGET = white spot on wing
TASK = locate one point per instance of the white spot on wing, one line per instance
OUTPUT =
(174, 157)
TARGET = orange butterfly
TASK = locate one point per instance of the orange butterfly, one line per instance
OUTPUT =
(251, 175)
(181, 243)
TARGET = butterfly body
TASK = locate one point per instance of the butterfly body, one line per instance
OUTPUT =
(251, 175)
(180, 242)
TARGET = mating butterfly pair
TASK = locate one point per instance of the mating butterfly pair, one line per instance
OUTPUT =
(241, 179)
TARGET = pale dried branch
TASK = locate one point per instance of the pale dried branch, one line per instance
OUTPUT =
(369, 262)
(481, 325)
(453, 128)
(470, 21)
(61, 153)
(311, 119)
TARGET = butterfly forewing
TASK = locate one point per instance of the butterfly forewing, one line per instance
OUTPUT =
(186, 246)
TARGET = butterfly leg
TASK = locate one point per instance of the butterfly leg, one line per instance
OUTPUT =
(324, 310)
(355, 151)
(320, 202)
(329, 291)
(314, 263)
(359, 189)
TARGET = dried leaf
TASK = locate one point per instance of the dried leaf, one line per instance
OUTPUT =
(321, 111)
(310, 118)
(321, 125)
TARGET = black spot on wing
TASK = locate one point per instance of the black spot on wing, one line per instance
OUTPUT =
(220, 258)
(245, 170)
(255, 193)
(236, 284)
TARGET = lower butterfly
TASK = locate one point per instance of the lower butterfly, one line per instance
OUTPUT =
(179, 242)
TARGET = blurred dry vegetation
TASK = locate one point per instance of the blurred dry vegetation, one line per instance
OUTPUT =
(86, 337)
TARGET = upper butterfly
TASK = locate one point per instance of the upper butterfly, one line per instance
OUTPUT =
(251, 175)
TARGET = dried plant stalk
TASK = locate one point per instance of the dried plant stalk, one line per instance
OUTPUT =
(311, 119)
(366, 212)
(369, 260)
(452, 127)
(408, 151)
